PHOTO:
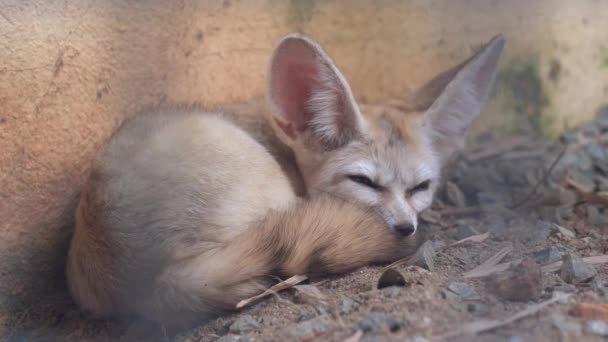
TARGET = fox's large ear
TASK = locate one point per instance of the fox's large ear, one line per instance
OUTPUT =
(453, 99)
(310, 99)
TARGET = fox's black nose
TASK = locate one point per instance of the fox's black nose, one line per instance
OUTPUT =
(404, 229)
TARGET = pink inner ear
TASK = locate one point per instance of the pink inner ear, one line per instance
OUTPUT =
(293, 85)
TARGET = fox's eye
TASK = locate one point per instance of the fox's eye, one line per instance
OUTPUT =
(363, 180)
(420, 187)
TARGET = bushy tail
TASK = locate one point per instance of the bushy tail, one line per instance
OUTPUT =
(320, 236)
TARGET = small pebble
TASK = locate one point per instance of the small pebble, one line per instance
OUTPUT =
(233, 338)
(597, 327)
(244, 324)
(574, 270)
(547, 255)
(391, 277)
(464, 231)
(520, 282)
(425, 256)
(345, 305)
(308, 329)
(377, 322)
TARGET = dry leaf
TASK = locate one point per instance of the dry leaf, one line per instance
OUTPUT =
(272, 290)
(593, 260)
(490, 265)
(565, 232)
(474, 238)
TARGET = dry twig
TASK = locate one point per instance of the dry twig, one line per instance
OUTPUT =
(541, 181)
(273, 290)
(489, 266)
(477, 327)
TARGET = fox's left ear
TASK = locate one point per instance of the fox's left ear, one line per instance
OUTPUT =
(455, 98)
(311, 101)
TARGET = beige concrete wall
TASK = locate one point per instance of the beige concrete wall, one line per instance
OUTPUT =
(71, 70)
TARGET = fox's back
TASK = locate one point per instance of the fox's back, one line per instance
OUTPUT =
(169, 183)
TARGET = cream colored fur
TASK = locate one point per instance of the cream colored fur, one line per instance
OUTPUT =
(186, 212)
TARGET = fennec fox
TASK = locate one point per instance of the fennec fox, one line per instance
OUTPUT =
(186, 212)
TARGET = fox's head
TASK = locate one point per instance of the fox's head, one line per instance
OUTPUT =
(388, 158)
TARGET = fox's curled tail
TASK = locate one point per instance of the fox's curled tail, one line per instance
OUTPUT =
(320, 236)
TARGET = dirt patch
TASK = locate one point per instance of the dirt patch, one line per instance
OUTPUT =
(539, 202)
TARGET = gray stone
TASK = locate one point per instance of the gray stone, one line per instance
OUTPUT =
(547, 255)
(597, 152)
(425, 256)
(597, 216)
(597, 327)
(601, 182)
(308, 329)
(574, 270)
(437, 244)
(464, 291)
(377, 322)
(537, 233)
(233, 338)
(346, 305)
(307, 315)
(601, 118)
(464, 231)
(244, 324)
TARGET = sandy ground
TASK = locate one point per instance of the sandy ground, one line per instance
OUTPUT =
(491, 188)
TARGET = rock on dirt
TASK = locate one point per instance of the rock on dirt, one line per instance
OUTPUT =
(425, 256)
(597, 327)
(390, 277)
(520, 282)
(233, 338)
(464, 231)
(346, 305)
(377, 322)
(574, 270)
(541, 232)
(547, 255)
(308, 329)
(244, 324)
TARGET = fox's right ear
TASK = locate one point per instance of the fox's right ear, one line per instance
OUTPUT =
(454, 99)
(311, 101)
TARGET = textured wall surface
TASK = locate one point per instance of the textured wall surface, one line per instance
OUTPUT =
(70, 71)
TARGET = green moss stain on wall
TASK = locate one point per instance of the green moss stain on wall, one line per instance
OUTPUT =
(300, 13)
(522, 92)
